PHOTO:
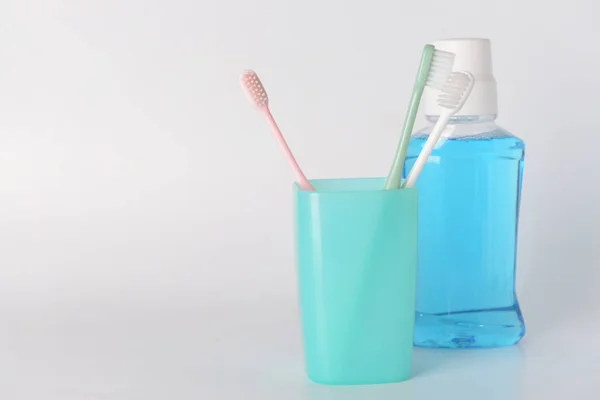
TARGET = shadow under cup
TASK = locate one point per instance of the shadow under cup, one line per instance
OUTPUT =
(356, 249)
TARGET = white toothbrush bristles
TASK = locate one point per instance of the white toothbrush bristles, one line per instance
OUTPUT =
(456, 91)
(440, 70)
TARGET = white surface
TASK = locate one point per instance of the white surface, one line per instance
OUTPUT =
(251, 350)
(146, 242)
(473, 55)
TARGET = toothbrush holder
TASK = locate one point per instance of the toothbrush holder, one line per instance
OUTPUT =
(356, 254)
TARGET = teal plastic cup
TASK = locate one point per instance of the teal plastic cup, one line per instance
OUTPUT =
(356, 249)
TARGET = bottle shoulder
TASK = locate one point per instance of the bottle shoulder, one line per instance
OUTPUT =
(468, 140)
(473, 131)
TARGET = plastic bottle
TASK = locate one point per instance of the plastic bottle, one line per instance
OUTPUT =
(469, 195)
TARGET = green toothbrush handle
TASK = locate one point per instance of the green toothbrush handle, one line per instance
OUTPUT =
(395, 176)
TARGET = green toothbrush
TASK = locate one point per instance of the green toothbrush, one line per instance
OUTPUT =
(434, 70)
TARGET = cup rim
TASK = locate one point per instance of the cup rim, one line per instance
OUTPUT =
(316, 182)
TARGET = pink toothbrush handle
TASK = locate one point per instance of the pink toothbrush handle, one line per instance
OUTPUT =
(303, 183)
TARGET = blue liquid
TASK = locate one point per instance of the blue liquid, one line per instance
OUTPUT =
(469, 195)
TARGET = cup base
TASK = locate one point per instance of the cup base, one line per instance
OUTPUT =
(356, 382)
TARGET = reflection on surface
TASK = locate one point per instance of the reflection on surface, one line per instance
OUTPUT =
(490, 374)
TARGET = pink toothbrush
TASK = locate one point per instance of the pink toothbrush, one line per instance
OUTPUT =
(258, 97)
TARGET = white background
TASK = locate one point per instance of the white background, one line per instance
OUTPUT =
(146, 218)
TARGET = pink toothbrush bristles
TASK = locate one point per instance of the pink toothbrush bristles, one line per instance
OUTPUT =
(257, 95)
(254, 89)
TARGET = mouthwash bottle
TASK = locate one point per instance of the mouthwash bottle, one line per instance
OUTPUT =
(469, 195)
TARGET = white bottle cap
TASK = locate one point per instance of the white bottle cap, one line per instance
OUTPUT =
(474, 56)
